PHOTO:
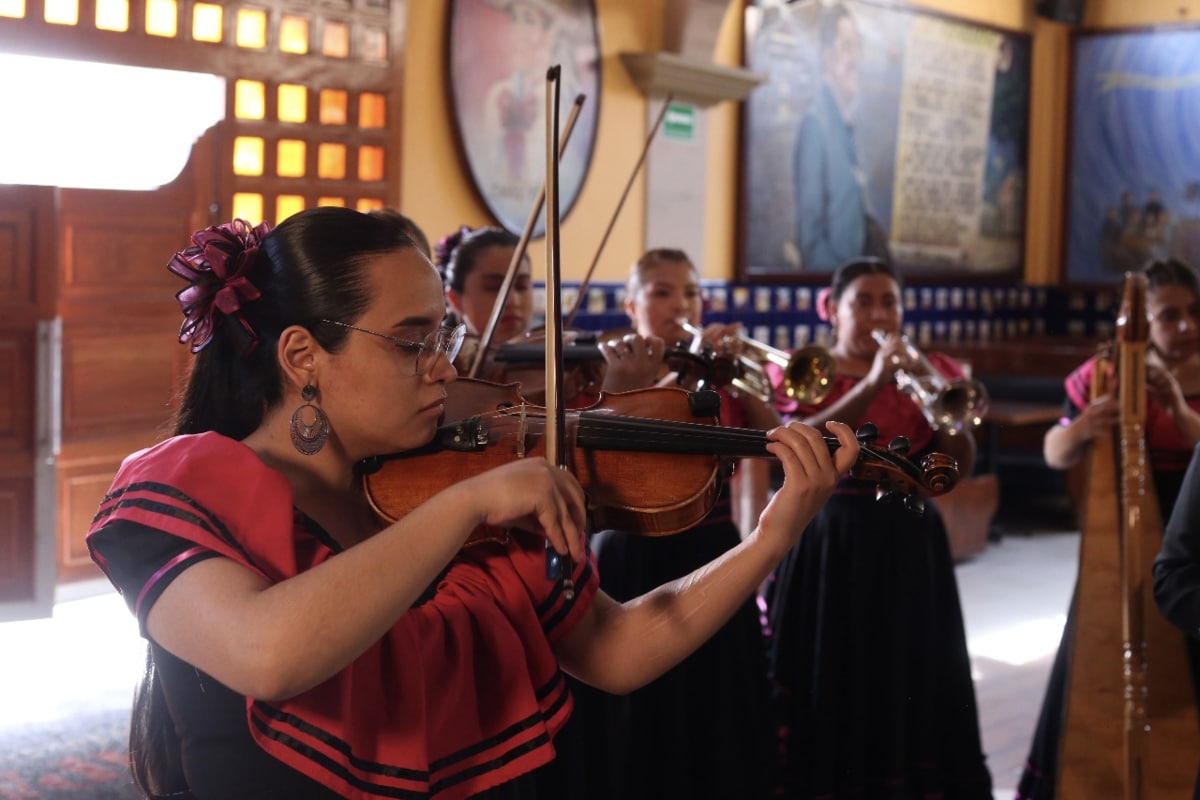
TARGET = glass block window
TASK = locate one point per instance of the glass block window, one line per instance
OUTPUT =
(286, 205)
(293, 34)
(290, 158)
(333, 106)
(370, 163)
(251, 28)
(249, 100)
(335, 41)
(248, 155)
(293, 103)
(208, 22)
(162, 18)
(331, 161)
(248, 206)
(112, 15)
(318, 135)
(62, 12)
(372, 110)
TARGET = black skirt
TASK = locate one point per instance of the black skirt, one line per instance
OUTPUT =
(702, 730)
(868, 658)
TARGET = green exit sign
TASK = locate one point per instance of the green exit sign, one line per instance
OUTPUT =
(680, 122)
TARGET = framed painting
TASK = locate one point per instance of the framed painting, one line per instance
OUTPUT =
(499, 53)
(882, 130)
(1134, 186)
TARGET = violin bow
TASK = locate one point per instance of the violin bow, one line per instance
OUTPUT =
(485, 340)
(558, 567)
(587, 278)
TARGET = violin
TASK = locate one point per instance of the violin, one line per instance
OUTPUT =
(651, 460)
(524, 363)
(693, 370)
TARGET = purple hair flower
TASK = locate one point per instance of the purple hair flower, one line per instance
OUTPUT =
(215, 268)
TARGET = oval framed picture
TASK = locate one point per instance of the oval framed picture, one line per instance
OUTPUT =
(499, 54)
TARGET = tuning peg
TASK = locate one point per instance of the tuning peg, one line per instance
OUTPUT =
(882, 492)
(867, 433)
(914, 504)
(900, 446)
(704, 403)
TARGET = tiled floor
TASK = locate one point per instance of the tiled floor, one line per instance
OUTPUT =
(1014, 596)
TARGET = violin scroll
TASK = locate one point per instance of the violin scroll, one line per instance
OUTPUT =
(896, 476)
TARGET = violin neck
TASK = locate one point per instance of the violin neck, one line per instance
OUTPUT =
(599, 431)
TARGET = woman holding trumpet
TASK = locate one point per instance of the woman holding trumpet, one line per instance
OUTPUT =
(867, 652)
(702, 730)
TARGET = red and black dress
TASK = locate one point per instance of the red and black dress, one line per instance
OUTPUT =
(462, 696)
(702, 730)
(868, 653)
(1169, 453)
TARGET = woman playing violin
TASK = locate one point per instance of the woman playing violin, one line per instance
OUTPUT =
(474, 264)
(648, 744)
(300, 649)
(868, 652)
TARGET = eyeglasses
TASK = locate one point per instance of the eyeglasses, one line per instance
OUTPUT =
(441, 340)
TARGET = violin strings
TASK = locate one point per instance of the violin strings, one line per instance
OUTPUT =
(633, 433)
(616, 432)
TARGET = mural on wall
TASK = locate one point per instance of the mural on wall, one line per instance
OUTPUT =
(499, 53)
(887, 131)
(1134, 188)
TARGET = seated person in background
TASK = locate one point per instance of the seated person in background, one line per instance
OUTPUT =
(704, 729)
(301, 648)
(868, 652)
(1172, 429)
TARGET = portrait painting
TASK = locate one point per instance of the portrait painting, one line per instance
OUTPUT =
(500, 52)
(1134, 185)
(886, 131)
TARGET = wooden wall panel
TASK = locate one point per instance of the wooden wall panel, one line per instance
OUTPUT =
(17, 350)
(27, 282)
(16, 547)
(16, 259)
(81, 487)
(116, 381)
(125, 256)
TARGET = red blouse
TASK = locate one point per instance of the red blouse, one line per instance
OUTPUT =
(461, 695)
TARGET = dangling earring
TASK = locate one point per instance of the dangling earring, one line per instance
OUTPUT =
(309, 437)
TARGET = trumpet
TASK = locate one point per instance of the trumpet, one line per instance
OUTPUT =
(807, 373)
(949, 404)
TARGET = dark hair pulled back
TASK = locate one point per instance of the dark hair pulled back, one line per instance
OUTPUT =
(851, 270)
(308, 269)
(1171, 272)
(456, 253)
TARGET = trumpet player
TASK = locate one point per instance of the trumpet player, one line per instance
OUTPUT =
(644, 745)
(868, 651)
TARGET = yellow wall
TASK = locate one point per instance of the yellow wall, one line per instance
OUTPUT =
(436, 187)
(1125, 13)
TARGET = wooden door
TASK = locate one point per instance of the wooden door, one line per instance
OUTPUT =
(27, 309)
(121, 360)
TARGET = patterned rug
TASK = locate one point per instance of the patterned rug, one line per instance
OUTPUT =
(81, 757)
(66, 686)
